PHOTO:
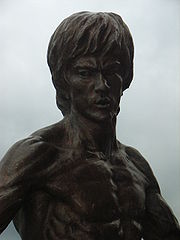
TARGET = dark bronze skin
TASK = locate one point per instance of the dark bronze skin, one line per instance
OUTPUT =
(74, 179)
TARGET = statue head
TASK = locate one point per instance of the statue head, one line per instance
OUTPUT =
(83, 34)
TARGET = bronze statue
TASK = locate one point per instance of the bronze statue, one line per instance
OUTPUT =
(74, 179)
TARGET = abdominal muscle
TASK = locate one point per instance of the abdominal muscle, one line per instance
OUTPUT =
(64, 223)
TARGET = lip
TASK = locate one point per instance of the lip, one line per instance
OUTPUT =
(103, 103)
(105, 106)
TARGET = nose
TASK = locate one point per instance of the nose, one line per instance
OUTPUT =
(101, 85)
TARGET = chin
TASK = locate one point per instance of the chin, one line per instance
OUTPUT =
(99, 117)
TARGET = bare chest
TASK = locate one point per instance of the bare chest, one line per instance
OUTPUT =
(100, 191)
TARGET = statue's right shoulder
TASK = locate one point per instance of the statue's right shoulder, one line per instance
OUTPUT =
(39, 149)
(24, 148)
(25, 154)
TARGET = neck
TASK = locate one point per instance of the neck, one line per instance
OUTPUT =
(99, 136)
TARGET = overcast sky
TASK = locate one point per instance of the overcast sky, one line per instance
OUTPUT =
(150, 111)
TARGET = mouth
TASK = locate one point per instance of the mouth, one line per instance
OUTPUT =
(103, 103)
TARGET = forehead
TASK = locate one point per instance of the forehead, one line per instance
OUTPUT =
(93, 61)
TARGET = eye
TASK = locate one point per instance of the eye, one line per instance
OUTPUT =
(114, 73)
(113, 70)
(84, 73)
(110, 72)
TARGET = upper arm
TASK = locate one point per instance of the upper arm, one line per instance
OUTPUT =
(159, 221)
(140, 162)
(20, 169)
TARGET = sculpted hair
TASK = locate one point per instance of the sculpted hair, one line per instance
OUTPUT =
(86, 33)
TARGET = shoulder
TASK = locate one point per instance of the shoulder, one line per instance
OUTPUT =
(141, 163)
(32, 157)
(27, 145)
(31, 153)
(26, 152)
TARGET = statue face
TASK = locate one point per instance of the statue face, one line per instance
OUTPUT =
(96, 86)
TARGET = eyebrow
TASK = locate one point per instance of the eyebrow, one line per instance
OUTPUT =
(92, 65)
(112, 64)
(84, 65)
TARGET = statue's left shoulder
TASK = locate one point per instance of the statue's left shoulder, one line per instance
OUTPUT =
(142, 164)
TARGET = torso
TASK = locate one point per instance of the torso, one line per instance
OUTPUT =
(87, 197)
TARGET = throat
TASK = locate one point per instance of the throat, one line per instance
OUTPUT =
(92, 135)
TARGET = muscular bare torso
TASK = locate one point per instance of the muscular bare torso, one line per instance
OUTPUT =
(55, 189)
(85, 196)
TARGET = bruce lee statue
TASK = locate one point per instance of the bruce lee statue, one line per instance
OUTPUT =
(74, 180)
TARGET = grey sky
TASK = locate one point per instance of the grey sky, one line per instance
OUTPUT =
(150, 112)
